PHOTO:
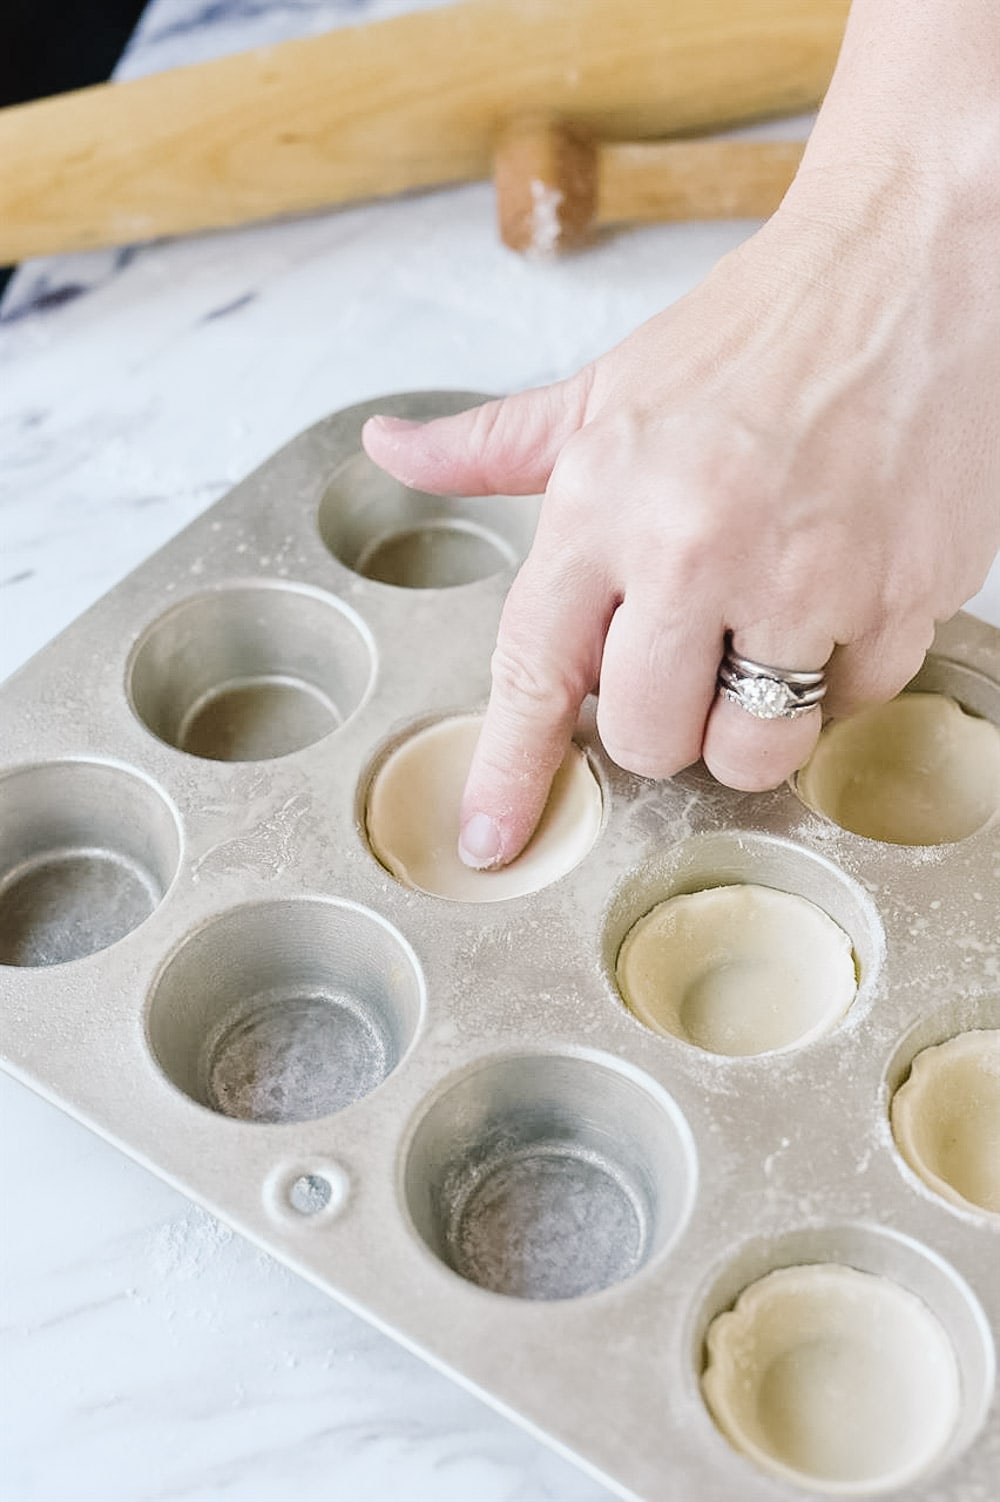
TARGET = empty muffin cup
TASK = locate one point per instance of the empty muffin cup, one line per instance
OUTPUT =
(916, 771)
(549, 1177)
(250, 672)
(833, 1378)
(737, 970)
(392, 534)
(413, 818)
(87, 851)
(946, 1119)
(285, 1011)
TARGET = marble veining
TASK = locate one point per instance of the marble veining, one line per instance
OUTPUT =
(149, 1355)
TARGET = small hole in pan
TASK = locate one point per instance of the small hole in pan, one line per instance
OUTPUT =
(310, 1194)
(306, 1192)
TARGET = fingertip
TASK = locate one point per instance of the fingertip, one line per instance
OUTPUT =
(479, 843)
(381, 435)
(490, 840)
(383, 422)
(500, 812)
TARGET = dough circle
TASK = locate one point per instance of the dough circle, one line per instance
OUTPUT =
(738, 970)
(946, 1119)
(916, 771)
(413, 818)
(836, 1378)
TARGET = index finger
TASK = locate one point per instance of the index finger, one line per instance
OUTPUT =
(546, 661)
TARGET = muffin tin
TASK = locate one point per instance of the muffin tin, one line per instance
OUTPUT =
(441, 1112)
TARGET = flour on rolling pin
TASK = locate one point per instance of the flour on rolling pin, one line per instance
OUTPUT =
(556, 187)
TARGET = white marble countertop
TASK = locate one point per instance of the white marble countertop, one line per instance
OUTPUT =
(149, 1355)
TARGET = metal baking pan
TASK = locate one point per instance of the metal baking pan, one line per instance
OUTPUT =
(201, 958)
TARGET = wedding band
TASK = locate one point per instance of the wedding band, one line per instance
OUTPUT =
(769, 693)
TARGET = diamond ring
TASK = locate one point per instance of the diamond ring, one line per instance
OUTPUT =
(769, 693)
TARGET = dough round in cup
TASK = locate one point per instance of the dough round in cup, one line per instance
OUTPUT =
(946, 1119)
(834, 1378)
(916, 771)
(414, 805)
(737, 970)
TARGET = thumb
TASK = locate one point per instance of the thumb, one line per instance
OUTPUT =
(508, 446)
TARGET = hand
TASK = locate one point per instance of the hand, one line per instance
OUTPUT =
(803, 451)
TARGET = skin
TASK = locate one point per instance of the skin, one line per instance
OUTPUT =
(804, 451)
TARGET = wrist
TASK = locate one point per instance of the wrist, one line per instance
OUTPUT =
(875, 191)
(912, 115)
(920, 69)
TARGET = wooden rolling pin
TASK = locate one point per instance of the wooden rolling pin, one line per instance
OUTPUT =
(555, 187)
(405, 103)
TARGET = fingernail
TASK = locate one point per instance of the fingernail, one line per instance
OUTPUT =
(394, 424)
(479, 842)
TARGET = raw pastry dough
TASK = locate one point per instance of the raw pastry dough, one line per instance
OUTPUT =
(738, 970)
(413, 818)
(833, 1377)
(917, 771)
(946, 1119)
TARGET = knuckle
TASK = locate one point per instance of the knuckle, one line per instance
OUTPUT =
(591, 464)
(486, 423)
(908, 662)
(531, 687)
(645, 758)
(747, 779)
(894, 601)
(689, 566)
(728, 473)
(879, 666)
(906, 588)
(648, 763)
(576, 477)
(879, 684)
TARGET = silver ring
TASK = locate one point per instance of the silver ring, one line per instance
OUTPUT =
(769, 693)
